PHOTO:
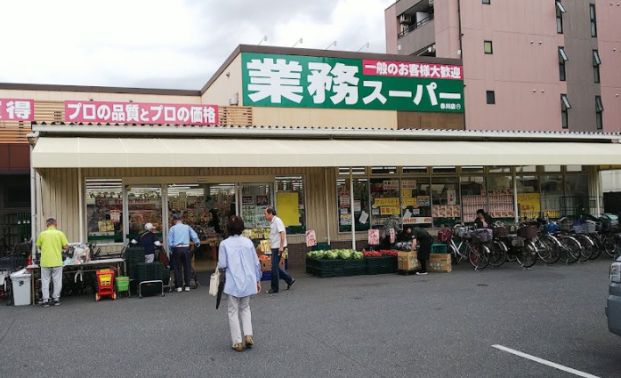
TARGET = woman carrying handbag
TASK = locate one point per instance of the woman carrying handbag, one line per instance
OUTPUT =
(238, 259)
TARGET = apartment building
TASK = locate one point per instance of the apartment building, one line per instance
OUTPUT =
(548, 65)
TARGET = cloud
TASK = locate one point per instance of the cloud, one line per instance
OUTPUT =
(167, 43)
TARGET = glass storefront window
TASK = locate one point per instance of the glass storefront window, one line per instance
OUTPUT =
(529, 198)
(104, 210)
(495, 169)
(576, 195)
(552, 193)
(445, 170)
(144, 204)
(471, 170)
(552, 168)
(446, 209)
(255, 199)
(574, 168)
(361, 213)
(290, 203)
(526, 169)
(500, 196)
(384, 170)
(416, 201)
(385, 200)
(473, 196)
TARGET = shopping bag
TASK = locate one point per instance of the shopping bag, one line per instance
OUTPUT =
(214, 282)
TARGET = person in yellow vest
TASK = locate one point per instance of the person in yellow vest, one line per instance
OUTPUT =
(51, 243)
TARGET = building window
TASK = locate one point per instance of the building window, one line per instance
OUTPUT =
(565, 106)
(593, 20)
(104, 208)
(487, 47)
(487, 2)
(562, 59)
(596, 63)
(599, 109)
(560, 9)
(491, 97)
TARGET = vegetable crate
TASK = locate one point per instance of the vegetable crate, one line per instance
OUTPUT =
(105, 284)
(381, 265)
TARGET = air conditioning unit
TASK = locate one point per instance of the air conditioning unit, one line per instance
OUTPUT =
(405, 19)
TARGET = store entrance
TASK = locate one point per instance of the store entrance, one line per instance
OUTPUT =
(205, 208)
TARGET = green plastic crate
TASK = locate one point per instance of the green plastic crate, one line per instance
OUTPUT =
(439, 248)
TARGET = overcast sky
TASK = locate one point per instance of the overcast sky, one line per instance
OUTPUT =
(167, 43)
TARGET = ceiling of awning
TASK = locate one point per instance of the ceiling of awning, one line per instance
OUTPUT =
(82, 152)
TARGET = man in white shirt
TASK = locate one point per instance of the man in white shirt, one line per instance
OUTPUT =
(278, 243)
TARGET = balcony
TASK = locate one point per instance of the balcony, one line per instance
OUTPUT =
(417, 37)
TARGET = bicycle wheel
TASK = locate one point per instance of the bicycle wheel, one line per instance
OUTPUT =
(598, 245)
(553, 247)
(570, 249)
(609, 245)
(478, 256)
(528, 257)
(498, 255)
(587, 247)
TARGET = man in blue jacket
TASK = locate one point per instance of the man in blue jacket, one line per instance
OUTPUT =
(179, 238)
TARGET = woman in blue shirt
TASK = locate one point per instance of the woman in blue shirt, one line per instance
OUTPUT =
(238, 258)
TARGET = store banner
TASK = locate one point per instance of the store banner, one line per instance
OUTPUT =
(140, 112)
(322, 82)
(14, 109)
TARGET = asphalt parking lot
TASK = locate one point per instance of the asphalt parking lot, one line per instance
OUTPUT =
(440, 325)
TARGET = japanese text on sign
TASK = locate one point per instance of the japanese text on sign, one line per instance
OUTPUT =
(408, 69)
(12, 109)
(134, 112)
(303, 81)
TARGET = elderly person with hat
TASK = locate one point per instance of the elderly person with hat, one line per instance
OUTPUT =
(149, 241)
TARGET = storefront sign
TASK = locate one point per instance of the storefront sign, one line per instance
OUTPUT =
(390, 185)
(136, 112)
(417, 220)
(408, 184)
(409, 202)
(389, 210)
(320, 82)
(12, 109)
(382, 202)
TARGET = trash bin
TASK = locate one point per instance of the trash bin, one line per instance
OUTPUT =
(21, 287)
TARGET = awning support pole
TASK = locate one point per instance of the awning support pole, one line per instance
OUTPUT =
(325, 171)
(598, 189)
(515, 198)
(351, 204)
(33, 206)
(80, 207)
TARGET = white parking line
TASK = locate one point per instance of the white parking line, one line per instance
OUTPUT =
(544, 362)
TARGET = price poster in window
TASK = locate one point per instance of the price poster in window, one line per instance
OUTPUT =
(373, 237)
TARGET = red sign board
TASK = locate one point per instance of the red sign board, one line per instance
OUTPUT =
(13, 109)
(140, 112)
(410, 69)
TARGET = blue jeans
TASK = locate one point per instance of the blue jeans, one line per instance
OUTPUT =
(278, 273)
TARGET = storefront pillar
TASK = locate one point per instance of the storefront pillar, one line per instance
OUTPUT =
(33, 205)
(515, 198)
(325, 175)
(351, 204)
(80, 207)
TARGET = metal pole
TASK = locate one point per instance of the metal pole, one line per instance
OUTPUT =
(351, 203)
(325, 171)
(80, 207)
(598, 189)
(515, 197)
(33, 206)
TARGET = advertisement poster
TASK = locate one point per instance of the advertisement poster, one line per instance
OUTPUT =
(311, 238)
(373, 237)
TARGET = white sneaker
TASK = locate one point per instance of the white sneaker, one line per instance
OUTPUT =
(421, 273)
(187, 288)
(179, 290)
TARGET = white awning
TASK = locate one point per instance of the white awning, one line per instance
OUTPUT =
(82, 152)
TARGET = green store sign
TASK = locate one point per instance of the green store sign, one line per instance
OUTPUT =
(316, 82)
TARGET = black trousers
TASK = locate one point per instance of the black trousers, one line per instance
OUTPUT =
(423, 263)
(183, 260)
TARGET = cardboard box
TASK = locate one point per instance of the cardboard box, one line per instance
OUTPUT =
(407, 261)
(440, 262)
(266, 263)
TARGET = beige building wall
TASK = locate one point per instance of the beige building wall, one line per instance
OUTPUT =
(227, 87)
(97, 96)
(324, 117)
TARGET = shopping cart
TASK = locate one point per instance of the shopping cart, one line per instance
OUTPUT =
(105, 284)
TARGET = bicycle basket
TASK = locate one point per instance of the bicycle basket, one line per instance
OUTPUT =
(528, 232)
(500, 232)
(462, 231)
(482, 235)
(517, 242)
